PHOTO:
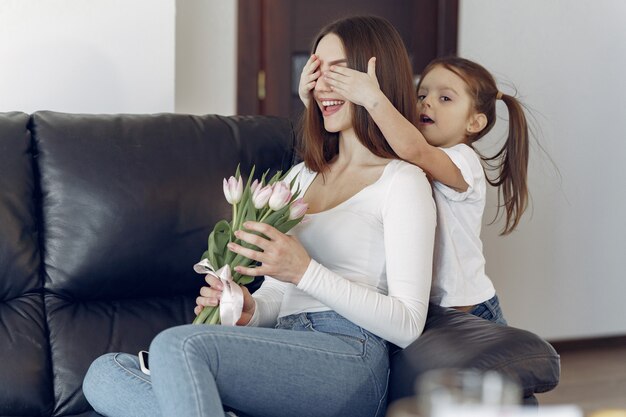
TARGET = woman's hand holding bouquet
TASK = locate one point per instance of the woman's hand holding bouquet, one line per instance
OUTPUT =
(267, 210)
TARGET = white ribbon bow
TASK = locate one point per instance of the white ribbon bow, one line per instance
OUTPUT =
(231, 303)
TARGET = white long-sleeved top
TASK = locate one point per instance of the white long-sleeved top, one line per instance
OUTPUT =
(371, 257)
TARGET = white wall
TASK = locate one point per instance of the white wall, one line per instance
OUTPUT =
(206, 56)
(562, 274)
(95, 56)
(118, 56)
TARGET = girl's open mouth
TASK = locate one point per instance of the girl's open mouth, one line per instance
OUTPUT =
(330, 107)
(425, 119)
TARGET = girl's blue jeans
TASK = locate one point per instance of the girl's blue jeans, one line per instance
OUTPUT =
(490, 310)
(311, 364)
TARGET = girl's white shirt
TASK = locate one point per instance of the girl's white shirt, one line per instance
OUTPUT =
(371, 257)
(459, 277)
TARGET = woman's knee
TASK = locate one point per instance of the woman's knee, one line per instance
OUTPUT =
(166, 342)
(115, 386)
(191, 343)
(99, 375)
(97, 371)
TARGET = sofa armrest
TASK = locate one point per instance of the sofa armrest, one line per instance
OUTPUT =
(453, 339)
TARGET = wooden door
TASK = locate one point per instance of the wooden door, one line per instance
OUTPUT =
(275, 39)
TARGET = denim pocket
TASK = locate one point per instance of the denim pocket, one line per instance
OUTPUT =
(490, 310)
(333, 324)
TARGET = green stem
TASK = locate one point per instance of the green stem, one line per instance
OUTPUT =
(214, 318)
(267, 213)
(204, 314)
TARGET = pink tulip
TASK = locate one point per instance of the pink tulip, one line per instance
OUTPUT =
(261, 196)
(253, 186)
(280, 196)
(298, 209)
(233, 190)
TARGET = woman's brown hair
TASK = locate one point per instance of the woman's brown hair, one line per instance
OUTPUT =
(511, 161)
(363, 37)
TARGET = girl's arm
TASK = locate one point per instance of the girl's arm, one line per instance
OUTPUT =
(406, 140)
(308, 77)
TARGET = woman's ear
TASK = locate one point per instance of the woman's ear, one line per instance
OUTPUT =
(476, 123)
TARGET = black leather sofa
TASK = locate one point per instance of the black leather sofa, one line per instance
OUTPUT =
(101, 220)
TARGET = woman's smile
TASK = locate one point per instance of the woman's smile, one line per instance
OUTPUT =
(330, 106)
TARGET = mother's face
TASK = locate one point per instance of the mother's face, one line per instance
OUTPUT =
(336, 111)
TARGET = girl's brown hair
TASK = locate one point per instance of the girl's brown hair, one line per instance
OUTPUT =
(363, 37)
(511, 161)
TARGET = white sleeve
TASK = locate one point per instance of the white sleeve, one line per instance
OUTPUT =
(268, 299)
(409, 220)
(468, 163)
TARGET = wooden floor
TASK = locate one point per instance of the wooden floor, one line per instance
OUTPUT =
(593, 375)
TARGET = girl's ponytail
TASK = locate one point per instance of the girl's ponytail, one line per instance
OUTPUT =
(511, 164)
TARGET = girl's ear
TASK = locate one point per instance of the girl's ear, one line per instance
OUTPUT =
(476, 123)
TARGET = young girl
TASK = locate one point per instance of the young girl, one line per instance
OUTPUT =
(457, 99)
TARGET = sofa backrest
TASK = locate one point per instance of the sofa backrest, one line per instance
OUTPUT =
(26, 379)
(118, 209)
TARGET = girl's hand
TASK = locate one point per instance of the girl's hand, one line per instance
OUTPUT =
(282, 256)
(355, 86)
(210, 296)
(308, 77)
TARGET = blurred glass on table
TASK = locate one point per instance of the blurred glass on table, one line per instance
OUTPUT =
(471, 393)
(444, 388)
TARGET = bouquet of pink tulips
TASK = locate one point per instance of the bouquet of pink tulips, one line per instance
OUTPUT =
(270, 202)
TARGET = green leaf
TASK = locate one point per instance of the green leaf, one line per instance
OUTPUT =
(282, 219)
(247, 192)
(286, 173)
(250, 177)
(272, 218)
(251, 212)
(263, 176)
(288, 225)
(211, 251)
(294, 196)
(275, 178)
(240, 259)
(218, 239)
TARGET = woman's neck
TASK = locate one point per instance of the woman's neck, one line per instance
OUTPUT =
(352, 151)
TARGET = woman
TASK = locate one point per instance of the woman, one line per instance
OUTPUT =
(313, 340)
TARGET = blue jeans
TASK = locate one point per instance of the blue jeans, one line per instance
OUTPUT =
(311, 364)
(490, 310)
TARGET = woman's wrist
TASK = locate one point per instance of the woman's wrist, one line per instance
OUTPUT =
(247, 314)
(298, 277)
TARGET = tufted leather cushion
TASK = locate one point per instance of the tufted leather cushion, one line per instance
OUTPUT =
(127, 203)
(24, 354)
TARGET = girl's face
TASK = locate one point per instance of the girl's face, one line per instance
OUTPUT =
(336, 111)
(446, 109)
